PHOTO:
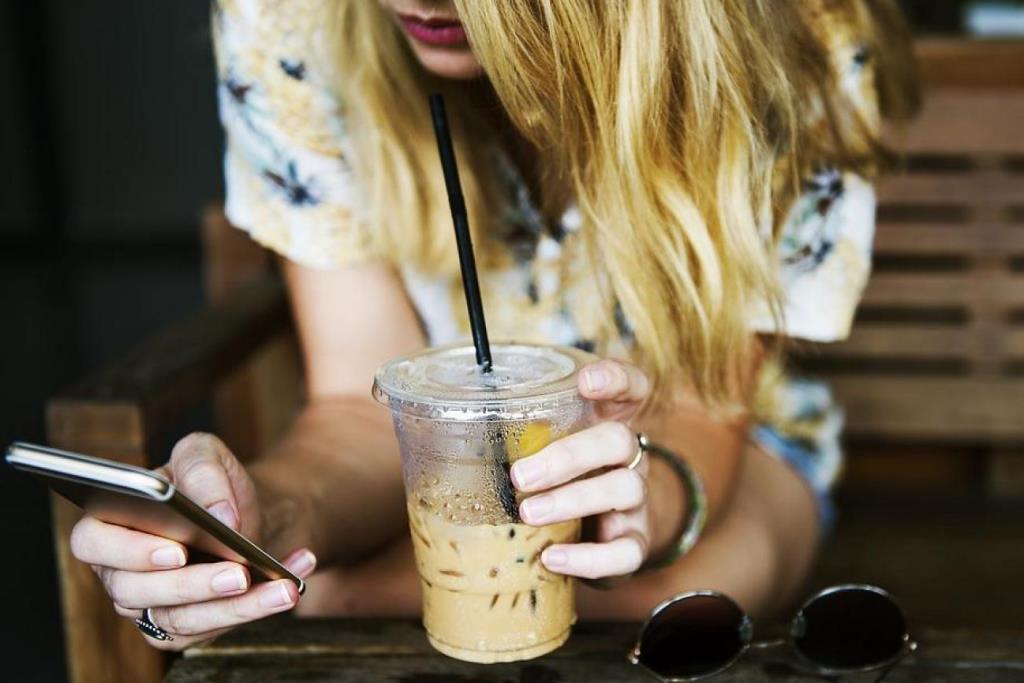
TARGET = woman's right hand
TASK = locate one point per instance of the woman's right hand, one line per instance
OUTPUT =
(197, 602)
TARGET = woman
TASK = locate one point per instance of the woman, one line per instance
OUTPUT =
(679, 183)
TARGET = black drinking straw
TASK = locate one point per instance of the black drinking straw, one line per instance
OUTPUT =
(470, 283)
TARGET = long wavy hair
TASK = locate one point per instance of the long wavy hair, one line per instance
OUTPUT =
(682, 128)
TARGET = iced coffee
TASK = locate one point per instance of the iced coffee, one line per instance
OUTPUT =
(486, 595)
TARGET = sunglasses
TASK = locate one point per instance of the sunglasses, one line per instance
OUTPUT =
(840, 630)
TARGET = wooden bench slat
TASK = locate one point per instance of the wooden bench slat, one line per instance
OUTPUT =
(928, 341)
(944, 289)
(964, 239)
(973, 187)
(966, 122)
(1012, 342)
(901, 289)
(971, 63)
(925, 408)
(896, 341)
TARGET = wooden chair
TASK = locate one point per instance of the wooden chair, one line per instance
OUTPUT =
(938, 353)
(240, 352)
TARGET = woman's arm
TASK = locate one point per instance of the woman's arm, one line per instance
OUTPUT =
(757, 548)
(334, 483)
(762, 527)
(758, 552)
(712, 445)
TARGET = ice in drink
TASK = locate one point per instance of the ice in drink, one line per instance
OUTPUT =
(486, 595)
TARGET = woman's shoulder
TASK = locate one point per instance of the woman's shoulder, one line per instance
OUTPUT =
(282, 44)
(289, 183)
(280, 20)
(824, 231)
(274, 77)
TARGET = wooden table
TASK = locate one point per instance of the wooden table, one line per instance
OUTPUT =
(311, 650)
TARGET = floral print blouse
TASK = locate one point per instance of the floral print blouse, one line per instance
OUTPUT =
(290, 187)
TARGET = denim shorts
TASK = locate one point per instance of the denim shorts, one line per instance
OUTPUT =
(806, 462)
(804, 432)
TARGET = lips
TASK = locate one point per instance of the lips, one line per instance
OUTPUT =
(441, 32)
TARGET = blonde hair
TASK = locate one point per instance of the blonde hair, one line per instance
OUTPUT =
(671, 121)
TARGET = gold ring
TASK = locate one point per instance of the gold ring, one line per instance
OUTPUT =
(641, 448)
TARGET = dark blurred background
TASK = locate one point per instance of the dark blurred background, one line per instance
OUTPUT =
(110, 144)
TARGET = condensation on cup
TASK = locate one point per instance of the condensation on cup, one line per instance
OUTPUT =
(486, 595)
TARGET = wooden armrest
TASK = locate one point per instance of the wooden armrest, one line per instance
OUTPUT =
(115, 412)
(120, 406)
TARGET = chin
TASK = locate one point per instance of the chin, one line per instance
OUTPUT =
(454, 63)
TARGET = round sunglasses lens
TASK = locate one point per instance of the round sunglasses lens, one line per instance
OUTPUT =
(850, 628)
(694, 636)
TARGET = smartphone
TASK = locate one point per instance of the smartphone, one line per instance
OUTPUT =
(136, 498)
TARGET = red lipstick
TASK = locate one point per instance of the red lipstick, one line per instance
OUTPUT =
(440, 32)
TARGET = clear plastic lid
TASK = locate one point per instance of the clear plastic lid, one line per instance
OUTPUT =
(445, 383)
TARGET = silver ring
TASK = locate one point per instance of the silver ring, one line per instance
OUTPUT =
(641, 448)
(146, 625)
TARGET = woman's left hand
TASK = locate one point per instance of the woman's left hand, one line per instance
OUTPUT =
(617, 496)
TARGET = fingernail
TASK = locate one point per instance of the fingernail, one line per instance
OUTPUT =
(168, 556)
(225, 512)
(553, 557)
(229, 581)
(537, 509)
(276, 595)
(596, 379)
(303, 563)
(526, 473)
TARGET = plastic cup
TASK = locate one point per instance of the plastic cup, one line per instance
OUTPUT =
(486, 595)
